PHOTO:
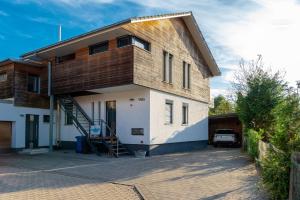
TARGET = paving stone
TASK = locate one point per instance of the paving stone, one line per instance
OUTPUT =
(210, 174)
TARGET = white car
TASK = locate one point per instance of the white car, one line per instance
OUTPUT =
(225, 136)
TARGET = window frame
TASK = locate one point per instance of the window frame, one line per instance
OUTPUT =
(185, 114)
(104, 43)
(65, 58)
(167, 67)
(146, 44)
(68, 119)
(37, 81)
(186, 75)
(4, 75)
(171, 114)
(122, 37)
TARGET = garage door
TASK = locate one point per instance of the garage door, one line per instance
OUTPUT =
(5, 136)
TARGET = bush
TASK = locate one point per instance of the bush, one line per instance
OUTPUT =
(253, 138)
(275, 174)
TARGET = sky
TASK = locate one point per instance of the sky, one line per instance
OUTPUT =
(233, 29)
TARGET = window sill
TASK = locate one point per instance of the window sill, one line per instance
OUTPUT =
(168, 124)
(165, 82)
(186, 89)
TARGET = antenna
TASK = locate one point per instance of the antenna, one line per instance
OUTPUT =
(59, 33)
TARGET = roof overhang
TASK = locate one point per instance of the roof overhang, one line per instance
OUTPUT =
(11, 61)
(115, 30)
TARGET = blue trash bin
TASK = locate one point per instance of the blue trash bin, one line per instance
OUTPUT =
(80, 144)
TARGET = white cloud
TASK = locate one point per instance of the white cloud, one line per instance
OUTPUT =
(273, 31)
(2, 13)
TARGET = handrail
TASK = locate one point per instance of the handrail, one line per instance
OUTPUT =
(101, 121)
(81, 110)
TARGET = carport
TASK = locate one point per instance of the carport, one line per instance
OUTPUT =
(224, 121)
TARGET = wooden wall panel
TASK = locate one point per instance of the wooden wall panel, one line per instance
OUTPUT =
(28, 99)
(6, 87)
(106, 69)
(173, 36)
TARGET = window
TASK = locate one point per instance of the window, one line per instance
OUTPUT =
(93, 111)
(169, 112)
(141, 43)
(129, 40)
(68, 119)
(186, 75)
(185, 113)
(46, 118)
(97, 48)
(33, 84)
(167, 67)
(3, 76)
(124, 41)
(61, 59)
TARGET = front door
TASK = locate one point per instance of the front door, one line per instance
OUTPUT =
(111, 116)
(32, 131)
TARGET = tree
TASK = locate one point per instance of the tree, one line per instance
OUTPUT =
(258, 91)
(221, 106)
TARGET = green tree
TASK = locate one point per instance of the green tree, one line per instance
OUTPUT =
(221, 106)
(259, 91)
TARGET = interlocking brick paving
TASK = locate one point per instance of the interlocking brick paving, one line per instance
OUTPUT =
(207, 175)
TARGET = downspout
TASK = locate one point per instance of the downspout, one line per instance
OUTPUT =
(51, 106)
(58, 125)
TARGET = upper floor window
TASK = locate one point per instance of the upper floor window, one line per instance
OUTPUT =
(129, 40)
(97, 48)
(167, 67)
(61, 59)
(33, 83)
(186, 79)
(3, 76)
(124, 41)
(141, 43)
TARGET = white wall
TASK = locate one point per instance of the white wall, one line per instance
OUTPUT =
(129, 114)
(17, 115)
(197, 128)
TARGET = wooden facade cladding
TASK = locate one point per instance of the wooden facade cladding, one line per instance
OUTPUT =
(173, 36)
(16, 85)
(87, 72)
(21, 95)
(6, 87)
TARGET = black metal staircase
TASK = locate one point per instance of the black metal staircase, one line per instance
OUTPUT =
(84, 124)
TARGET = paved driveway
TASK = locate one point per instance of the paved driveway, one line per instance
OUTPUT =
(207, 175)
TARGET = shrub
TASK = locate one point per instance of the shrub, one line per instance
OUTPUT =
(275, 174)
(253, 138)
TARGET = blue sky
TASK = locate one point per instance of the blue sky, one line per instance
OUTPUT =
(233, 29)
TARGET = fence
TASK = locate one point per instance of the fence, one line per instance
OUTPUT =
(295, 177)
(294, 193)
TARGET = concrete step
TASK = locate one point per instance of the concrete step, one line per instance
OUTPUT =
(34, 151)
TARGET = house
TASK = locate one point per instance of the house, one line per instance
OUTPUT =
(142, 81)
